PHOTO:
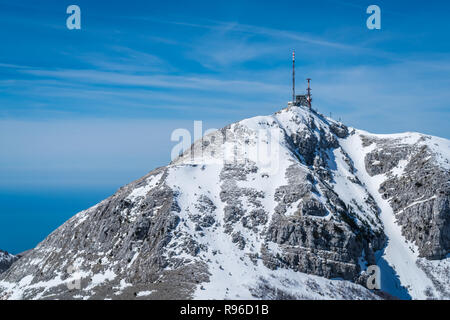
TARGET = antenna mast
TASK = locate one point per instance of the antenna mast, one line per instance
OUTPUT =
(293, 76)
(309, 99)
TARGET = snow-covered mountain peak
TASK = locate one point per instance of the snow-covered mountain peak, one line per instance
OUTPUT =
(267, 207)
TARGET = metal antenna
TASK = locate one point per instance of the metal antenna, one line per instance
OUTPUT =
(293, 76)
(309, 99)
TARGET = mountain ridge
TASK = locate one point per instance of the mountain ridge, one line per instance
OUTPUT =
(223, 221)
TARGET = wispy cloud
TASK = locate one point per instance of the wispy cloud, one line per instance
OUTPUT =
(123, 59)
(229, 27)
(405, 96)
(242, 67)
(156, 81)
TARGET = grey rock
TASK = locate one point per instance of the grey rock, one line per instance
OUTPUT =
(420, 196)
(6, 260)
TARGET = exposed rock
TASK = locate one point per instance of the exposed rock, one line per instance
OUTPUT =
(6, 260)
(419, 195)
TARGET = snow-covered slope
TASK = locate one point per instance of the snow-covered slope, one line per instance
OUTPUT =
(288, 206)
(403, 271)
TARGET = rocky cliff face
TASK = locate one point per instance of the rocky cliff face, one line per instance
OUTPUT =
(419, 191)
(409, 176)
(6, 260)
(269, 207)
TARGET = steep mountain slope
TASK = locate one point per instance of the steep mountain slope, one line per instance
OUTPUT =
(269, 207)
(408, 174)
(6, 260)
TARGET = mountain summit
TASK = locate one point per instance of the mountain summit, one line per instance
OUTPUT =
(289, 206)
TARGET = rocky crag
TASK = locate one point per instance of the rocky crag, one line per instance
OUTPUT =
(6, 260)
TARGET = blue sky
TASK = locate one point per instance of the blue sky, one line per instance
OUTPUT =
(94, 108)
